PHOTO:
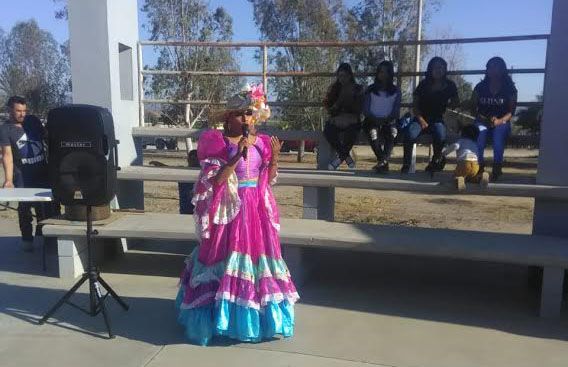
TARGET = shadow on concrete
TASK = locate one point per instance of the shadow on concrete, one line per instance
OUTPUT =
(150, 320)
(14, 260)
(485, 295)
(480, 294)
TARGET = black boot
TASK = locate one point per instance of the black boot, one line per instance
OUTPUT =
(436, 164)
(496, 172)
(382, 167)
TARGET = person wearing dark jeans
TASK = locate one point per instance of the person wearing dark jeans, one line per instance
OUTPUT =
(495, 100)
(185, 189)
(431, 98)
(342, 141)
(24, 160)
(343, 102)
(381, 108)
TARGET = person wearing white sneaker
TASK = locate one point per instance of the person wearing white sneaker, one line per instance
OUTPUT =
(343, 103)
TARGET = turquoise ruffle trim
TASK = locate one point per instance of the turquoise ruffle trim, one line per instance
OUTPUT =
(228, 319)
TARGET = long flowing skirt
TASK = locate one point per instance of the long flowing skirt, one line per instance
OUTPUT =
(236, 283)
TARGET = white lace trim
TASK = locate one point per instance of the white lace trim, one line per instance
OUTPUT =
(229, 205)
(268, 206)
(197, 301)
(274, 297)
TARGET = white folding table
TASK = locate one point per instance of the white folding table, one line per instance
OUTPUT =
(25, 194)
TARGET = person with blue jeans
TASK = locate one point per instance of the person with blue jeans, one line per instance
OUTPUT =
(431, 98)
(495, 100)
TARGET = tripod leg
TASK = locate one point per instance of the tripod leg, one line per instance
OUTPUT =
(101, 305)
(64, 299)
(113, 294)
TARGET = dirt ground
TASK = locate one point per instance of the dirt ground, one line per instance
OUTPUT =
(499, 214)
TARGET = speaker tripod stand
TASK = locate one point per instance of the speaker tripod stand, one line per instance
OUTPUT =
(96, 282)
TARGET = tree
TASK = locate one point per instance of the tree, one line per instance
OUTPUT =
(31, 65)
(454, 55)
(372, 20)
(300, 20)
(62, 12)
(190, 20)
(530, 118)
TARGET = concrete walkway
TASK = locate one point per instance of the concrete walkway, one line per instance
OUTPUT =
(357, 310)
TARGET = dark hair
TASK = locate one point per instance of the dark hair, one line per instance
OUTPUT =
(430, 67)
(335, 89)
(344, 66)
(470, 132)
(389, 87)
(192, 158)
(505, 77)
(15, 100)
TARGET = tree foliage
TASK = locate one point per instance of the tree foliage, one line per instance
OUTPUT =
(327, 20)
(300, 20)
(32, 65)
(190, 20)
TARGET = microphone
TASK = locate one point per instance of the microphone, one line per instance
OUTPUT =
(245, 135)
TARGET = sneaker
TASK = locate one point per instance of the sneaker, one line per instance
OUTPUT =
(405, 169)
(459, 183)
(27, 245)
(484, 181)
(334, 164)
(350, 162)
(382, 167)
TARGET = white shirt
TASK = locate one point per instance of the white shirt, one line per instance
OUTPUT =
(466, 150)
(382, 104)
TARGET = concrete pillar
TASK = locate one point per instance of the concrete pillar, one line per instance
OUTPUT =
(103, 39)
(325, 195)
(551, 216)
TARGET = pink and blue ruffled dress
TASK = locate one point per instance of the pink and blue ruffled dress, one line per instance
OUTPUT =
(235, 283)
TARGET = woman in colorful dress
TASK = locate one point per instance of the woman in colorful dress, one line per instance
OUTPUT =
(235, 283)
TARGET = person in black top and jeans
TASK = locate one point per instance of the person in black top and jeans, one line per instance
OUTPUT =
(495, 100)
(343, 102)
(431, 98)
(24, 158)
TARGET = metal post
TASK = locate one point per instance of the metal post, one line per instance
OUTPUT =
(265, 68)
(140, 86)
(418, 38)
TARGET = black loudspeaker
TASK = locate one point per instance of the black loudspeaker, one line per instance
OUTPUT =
(82, 155)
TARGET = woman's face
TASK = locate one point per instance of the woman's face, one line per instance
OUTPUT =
(236, 120)
(383, 74)
(438, 71)
(343, 77)
(494, 71)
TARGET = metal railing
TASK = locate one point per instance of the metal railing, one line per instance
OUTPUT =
(265, 74)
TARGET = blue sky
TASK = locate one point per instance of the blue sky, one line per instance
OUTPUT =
(464, 18)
